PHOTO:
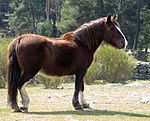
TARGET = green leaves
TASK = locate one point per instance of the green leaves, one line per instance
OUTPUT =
(68, 19)
(116, 65)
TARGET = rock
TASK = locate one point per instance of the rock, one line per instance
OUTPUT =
(139, 55)
(113, 84)
(142, 71)
(135, 84)
(146, 100)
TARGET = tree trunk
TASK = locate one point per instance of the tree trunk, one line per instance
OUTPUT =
(33, 18)
(137, 25)
(47, 10)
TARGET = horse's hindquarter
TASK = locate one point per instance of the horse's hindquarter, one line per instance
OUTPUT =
(64, 58)
(30, 52)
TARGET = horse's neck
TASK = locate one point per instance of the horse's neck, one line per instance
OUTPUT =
(91, 39)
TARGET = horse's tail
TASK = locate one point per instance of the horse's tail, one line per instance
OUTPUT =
(13, 73)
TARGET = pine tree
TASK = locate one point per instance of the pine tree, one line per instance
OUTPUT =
(4, 10)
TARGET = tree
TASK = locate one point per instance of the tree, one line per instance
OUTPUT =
(49, 15)
(127, 19)
(4, 10)
(137, 24)
(144, 39)
(69, 13)
(53, 9)
(33, 29)
(26, 13)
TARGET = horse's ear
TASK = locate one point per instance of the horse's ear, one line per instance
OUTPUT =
(115, 17)
(108, 19)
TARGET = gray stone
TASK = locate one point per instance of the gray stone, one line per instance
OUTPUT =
(142, 71)
(113, 84)
(145, 100)
(135, 84)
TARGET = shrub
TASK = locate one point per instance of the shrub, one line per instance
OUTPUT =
(49, 82)
(2, 83)
(116, 65)
(3, 63)
(92, 73)
(148, 58)
(68, 79)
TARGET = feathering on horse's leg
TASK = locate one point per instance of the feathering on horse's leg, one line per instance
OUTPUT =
(25, 77)
(82, 99)
(25, 99)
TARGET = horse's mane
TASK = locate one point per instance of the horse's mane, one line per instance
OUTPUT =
(90, 34)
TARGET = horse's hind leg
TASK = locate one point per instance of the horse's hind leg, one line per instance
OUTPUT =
(25, 77)
(25, 99)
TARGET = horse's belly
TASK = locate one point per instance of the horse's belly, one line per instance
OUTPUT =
(58, 71)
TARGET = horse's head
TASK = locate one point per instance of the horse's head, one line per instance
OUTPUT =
(113, 34)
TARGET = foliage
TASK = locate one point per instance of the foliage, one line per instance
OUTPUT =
(2, 83)
(68, 79)
(25, 14)
(116, 65)
(148, 58)
(68, 21)
(144, 40)
(3, 64)
(4, 9)
(49, 82)
(21, 18)
(44, 28)
(93, 73)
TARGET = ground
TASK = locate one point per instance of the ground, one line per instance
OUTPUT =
(108, 103)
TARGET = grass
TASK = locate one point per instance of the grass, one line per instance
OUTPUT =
(109, 103)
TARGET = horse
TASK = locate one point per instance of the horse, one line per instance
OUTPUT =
(71, 54)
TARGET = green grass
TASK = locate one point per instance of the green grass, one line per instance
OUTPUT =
(109, 103)
(4, 110)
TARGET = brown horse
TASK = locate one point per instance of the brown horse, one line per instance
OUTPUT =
(72, 54)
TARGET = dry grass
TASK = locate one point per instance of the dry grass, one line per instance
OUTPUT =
(109, 103)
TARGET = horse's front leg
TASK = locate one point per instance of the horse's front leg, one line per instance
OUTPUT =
(78, 81)
(82, 99)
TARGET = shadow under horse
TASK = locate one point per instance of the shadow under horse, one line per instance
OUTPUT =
(72, 54)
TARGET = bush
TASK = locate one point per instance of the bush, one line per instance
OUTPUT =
(68, 79)
(148, 58)
(116, 65)
(92, 73)
(2, 83)
(3, 64)
(49, 82)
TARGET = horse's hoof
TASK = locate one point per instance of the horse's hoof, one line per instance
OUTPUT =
(24, 109)
(87, 106)
(79, 108)
(17, 110)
